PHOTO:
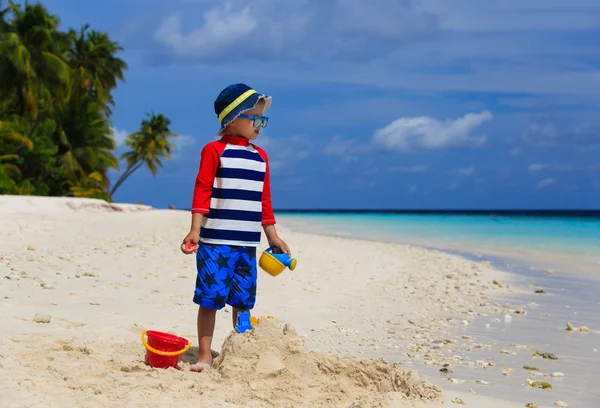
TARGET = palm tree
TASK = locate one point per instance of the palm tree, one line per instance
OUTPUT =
(55, 99)
(9, 133)
(85, 144)
(31, 62)
(96, 69)
(12, 141)
(3, 22)
(149, 146)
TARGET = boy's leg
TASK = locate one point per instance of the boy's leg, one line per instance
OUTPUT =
(206, 328)
(215, 269)
(242, 294)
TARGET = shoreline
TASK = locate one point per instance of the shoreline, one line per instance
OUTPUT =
(552, 263)
(500, 343)
(347, 297)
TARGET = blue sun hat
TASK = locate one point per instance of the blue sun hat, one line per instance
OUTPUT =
(236, 99)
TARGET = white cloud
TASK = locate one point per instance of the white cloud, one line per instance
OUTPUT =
(515, 151)
(546, 182)
(542, 134)
(283, 152)
(424, 132)
(360, 183)
(466, 171)
(477, 16)
(419, 168)
(537, 167)
(181, 143)
(224, 25)
(340, 146)
(519, 46)
(285, 29)
(119, 135)
(345, 162)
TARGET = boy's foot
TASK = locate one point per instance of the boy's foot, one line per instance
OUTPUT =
(200, 366)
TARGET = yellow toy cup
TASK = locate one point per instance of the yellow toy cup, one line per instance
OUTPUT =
(274, 264)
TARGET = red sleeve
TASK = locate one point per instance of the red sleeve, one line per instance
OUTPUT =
(209, 162)
(268, 218)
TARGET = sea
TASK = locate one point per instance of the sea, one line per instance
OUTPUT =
(558, 251)
(563, 240)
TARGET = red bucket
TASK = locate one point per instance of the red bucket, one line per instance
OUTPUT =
(163, 350)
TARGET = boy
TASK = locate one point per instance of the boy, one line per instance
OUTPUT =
(232, 201)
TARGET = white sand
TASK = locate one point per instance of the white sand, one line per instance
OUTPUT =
(104, 273)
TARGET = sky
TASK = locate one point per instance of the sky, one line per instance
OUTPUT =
(395, 104)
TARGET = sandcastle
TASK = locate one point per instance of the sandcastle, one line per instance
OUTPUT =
(271, 364)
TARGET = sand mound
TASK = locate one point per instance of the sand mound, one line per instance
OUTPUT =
(268, 367)
(272, 364)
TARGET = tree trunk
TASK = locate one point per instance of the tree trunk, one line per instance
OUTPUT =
(125, 175)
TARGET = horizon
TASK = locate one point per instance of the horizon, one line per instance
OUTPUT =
(462, 105)
(593, 213)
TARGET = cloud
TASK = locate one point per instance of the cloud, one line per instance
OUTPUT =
(426, 45)
(224, 26)
(537, 167)
(545, 183)
(515, 151)
(419, 168)
(284, 151)
(119, 135)
(181, 143)
(549, 15)
(466, 171)
(360, 183)
(424, 132)
(583, 137)
(284, 30)
(542, 134)
(340, 146)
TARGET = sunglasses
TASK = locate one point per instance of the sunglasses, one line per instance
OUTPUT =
(259, 121)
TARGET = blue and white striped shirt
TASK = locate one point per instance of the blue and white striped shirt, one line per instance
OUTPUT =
(239, 203)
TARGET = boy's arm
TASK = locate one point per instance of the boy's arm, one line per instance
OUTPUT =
(196, 222)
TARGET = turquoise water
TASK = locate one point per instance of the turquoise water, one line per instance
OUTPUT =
(563, 236)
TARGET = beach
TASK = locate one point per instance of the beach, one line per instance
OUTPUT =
(357, 324)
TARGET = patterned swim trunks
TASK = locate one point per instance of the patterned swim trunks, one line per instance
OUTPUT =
(226, 275)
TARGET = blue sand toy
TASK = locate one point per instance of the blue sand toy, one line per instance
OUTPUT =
(243, 322)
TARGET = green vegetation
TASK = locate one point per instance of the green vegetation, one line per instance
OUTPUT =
(55, 109)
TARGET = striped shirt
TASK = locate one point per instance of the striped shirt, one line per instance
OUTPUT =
(233, 192)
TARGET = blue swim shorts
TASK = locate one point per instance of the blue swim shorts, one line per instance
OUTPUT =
(226, 275)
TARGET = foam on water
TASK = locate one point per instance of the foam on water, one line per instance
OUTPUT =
(564, 239)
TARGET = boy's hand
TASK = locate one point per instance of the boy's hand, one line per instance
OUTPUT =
(279, 243)
(190, 243)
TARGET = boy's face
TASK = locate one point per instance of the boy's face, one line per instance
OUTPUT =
(245, 127)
